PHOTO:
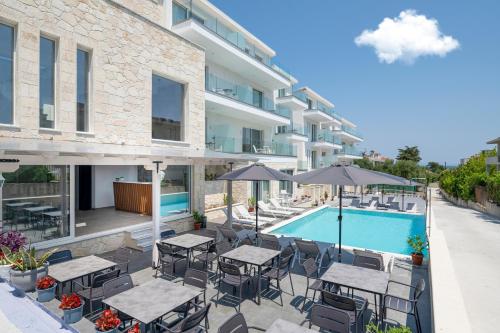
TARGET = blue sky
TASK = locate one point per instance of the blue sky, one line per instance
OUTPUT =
(448, 106)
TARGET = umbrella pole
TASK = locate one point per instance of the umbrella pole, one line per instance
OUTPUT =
(340, 224)
(257, 206)
(403, 200)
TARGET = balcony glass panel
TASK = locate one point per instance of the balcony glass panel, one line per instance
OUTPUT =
(228, 144)
(291, 129)
(352, 131)
(350, 150)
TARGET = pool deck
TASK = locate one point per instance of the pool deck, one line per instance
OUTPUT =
(465, 247)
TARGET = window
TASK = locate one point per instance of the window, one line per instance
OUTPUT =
(175, 189)
(286, 185)
(258, 98)
(6, 74)
(82, 90)
(179, 13)
(168, 108)
(35, 201)
(47, 82)
(263, 189)
(252, 140)
(309, 104)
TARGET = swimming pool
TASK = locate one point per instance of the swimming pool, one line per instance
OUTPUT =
(174, 203)
(375, 230)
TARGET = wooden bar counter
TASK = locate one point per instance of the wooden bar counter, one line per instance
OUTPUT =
(133, 197)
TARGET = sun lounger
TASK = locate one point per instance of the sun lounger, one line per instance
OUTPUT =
(267, 210)
(355, 203)
(411, 207)
(247, 216)
(371, 205)
(276, 204)
(238, 219)
(394, 205)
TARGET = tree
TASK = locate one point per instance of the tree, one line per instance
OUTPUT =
(405, 168)
(409, 154)
(435, 167)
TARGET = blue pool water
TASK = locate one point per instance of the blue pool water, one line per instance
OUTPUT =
(375, 230)
(174, 203)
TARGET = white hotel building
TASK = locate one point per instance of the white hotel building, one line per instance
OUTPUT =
(95, 98)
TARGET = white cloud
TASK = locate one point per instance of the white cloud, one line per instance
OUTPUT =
(406, 38)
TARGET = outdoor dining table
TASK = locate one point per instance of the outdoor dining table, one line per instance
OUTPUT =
(360, 278)
(78, 268)
(152, 300)
(252, 255)
(188, 242)
(284, 326)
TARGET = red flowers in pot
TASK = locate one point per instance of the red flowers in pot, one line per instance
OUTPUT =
(69, 302)
(45, 282)
(135, 329)
(107, 321)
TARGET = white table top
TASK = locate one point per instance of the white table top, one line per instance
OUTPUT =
(251, 254)
(187, 241)
(73, 269)
(152, 300)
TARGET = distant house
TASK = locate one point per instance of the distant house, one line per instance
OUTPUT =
(494, 162)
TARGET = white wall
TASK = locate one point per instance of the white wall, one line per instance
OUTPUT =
(103, 177)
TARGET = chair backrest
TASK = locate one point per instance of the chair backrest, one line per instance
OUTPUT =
(99, 279)
(368, 260)
(167, 234)
(59, 256)
(229, 269)
(287, 251)
(390, 199)
(164, 249)
(270, 244)
(310, 267)
(285, 262)
(263, 205)
(373, 203)
(245, 241)
(307, 247)
(244, 212)
(276, 203)
(194, 319)
(117, 285)
(268, 237)
(235, 324)
(419, 289)
(330, 319)
(375, 199)
(196, 278)
(229, 234)
(338, 301)
(411, 206)
(355, 203)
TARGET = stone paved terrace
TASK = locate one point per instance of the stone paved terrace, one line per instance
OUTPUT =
(270, 309)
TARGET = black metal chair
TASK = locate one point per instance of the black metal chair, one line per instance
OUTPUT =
(269, 242)
(94, 291)
(370, 260)
(116, 286)
(330, 319)
(312, 275)
(231, 276)
(207, 257)
(405, 305)
(121, 257)
(279, 273)
(59, 256)
(309, 249)
(197, 279)
(167, 257)
(230, 235)
(237, 324)
(190, 323)
(354, 307)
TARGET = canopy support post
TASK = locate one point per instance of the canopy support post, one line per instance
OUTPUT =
(340, 223)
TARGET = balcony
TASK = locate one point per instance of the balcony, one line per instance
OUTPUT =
(226, 46)
(326, 139)
(349, 152)
(292, 133)
(302, 165)
(295, 101)
(350, 134)
(236, 100)
(239, 146)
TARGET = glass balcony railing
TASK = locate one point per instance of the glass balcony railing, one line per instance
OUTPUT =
(292, 129)
(326, 135)
(298, 94)
(302, 165)
(325, 161)
(350, 150)
(185, 10)
(242, 93)
(351, 131)
(239, 146)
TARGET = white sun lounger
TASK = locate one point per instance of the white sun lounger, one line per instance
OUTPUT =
(247, 216)
(276, 204)
(267, 210)
(354, 203)
(411, 207)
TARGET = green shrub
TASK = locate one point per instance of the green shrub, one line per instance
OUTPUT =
(373, 328)
(493, 187)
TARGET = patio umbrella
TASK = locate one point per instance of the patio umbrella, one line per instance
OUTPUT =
(342, 175)
(404, 182)
(255, 172)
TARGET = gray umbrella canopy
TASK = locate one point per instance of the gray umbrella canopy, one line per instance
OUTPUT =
(255, 172)
(343, 175)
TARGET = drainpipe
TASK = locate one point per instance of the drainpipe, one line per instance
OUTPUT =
(230, 198)
(156, 191)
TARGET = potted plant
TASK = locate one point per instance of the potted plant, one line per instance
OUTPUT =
(13, 240)
(373, 328)
(325, 195)
(26, 267)
(251, 204)
(108, 322)
(46, 289)
(197, 216)
(418, 245)
(72, 306)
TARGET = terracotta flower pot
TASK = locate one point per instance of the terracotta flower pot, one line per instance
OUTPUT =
(197, 226)
(417, 259)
